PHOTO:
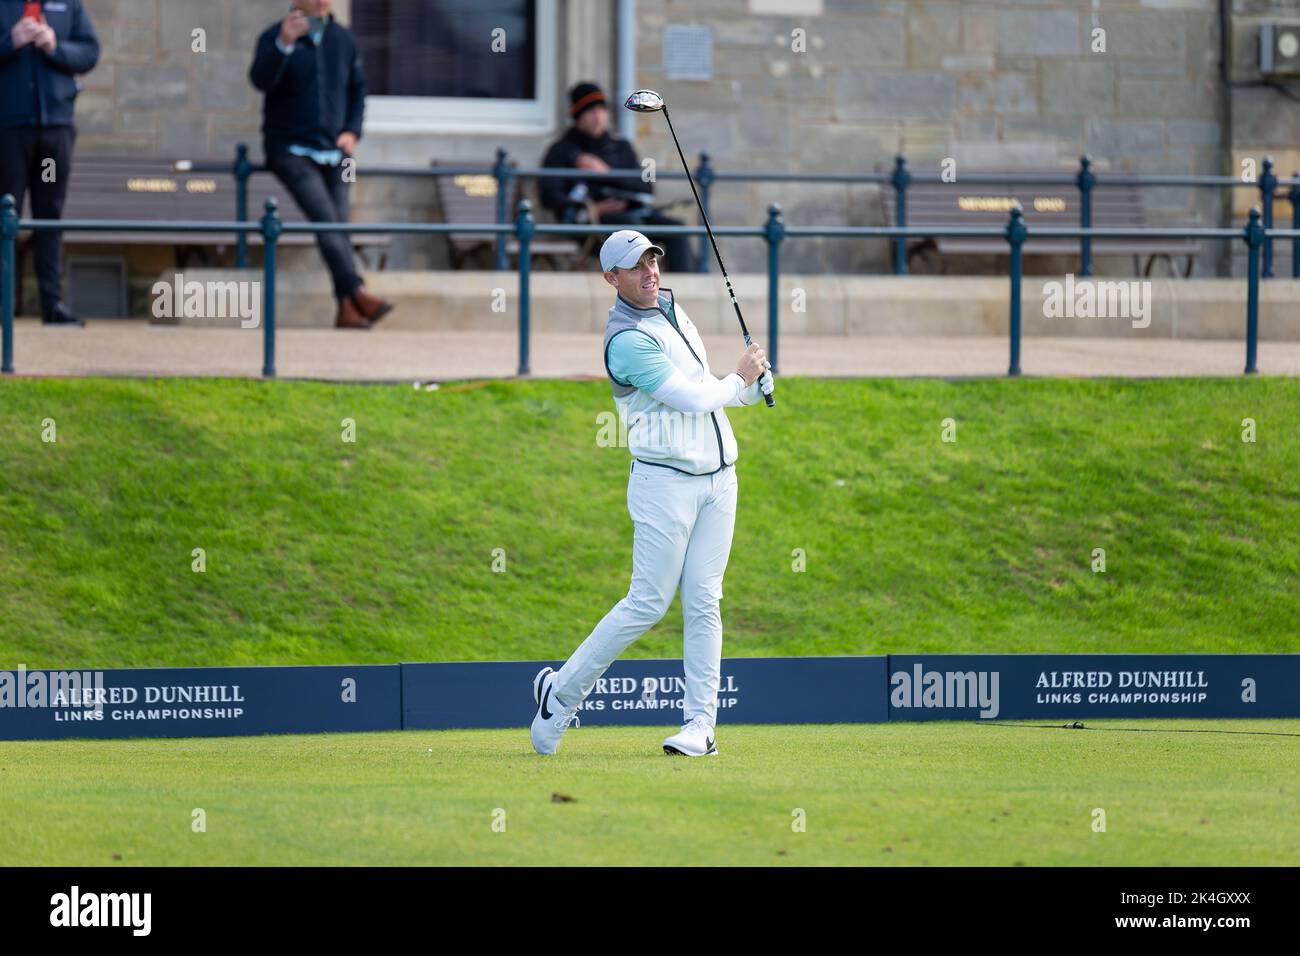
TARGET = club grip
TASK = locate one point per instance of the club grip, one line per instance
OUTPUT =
(770, 399)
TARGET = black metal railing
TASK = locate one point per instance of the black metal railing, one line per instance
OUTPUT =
(774, 232)
(1086, 180)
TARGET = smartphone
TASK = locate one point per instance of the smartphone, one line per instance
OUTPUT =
(33, 11)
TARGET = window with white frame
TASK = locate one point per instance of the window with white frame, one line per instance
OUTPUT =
(457, 65)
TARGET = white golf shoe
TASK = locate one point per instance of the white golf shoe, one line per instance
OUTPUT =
(551, 720)
(695, 739)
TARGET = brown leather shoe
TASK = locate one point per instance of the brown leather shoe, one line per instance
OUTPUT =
(349, 317)
(371, 306)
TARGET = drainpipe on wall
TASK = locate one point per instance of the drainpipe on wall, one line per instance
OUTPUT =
(625, 66)
(1226, 138)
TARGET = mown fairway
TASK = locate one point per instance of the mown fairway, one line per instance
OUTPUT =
(919, 794)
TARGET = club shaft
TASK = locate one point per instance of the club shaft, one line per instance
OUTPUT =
(704, 217)
(768, 399)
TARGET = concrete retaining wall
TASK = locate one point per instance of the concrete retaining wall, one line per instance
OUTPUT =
(831, 305)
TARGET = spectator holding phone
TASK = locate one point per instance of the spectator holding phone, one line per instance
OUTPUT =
(43, 48)
(310, 71)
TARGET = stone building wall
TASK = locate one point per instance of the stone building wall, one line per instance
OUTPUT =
(988, 83)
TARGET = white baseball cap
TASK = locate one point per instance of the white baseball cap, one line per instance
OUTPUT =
(624, 249)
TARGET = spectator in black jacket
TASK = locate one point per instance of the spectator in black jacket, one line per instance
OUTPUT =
(40, 58)
(310, 69)
(589, 144)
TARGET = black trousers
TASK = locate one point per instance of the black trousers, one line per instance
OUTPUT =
(25, 155)
(677, 249)
(322, 195)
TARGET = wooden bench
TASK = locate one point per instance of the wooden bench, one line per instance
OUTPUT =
(153, 189)
(150, 188)
(469, 198)
(956, 204)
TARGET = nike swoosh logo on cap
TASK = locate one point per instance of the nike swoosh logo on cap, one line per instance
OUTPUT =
(633, 239)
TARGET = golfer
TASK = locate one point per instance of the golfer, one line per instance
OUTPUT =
(681, 494)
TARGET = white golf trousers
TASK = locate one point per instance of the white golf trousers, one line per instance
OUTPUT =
(682, 538)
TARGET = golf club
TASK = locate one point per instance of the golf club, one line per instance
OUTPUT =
(648, 101)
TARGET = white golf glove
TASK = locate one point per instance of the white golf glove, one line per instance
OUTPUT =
(765, 384)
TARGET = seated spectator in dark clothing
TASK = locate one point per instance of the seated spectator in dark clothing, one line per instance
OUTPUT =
(43, 48)
(310, 70)
(588, 144)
